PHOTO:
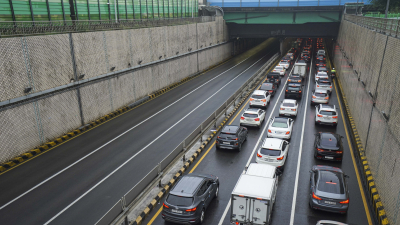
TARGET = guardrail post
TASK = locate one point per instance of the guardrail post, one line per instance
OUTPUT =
(201, 132)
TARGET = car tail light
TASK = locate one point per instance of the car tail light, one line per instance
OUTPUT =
(269, 131)
(344, 202)
(334, 117)
(282, 108)
(259, 156)
(299, 81)
(242, 118)
(264, 100)
(326, 98)
(280, 158)
(191, 210)
(299, 91)
(270, 91)
(288, 132)
(330, 86)
(218, 137)
(287, 91)
(314, 97)
(319, 115)
(165, 206)
(251, 99)
(320, 150)
(316, 197)
(235, 139)
(257, 119)
(339, 152)
(293, 109)
(317, 85)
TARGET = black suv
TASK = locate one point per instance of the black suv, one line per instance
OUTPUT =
(328, 146)
(188, 200)
(231, 137)
(270, 87)
(274, 78)
(294, 90)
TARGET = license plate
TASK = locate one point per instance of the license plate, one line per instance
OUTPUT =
(328, 157)
(331, 203)
(292, 91)
(176, 211)
(287, 114)
(226, 143)
(257, 100)
(277, 132)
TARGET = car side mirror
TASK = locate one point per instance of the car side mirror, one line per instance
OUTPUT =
(347, 176)
(311, 171)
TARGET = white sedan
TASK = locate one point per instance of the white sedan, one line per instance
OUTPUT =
(322, 75)
(280, 69)
(285, 64)
(288, 108)
(280, 127)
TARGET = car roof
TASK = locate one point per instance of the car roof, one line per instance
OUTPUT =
(187, 185)
(329, 168)
(320, 90)
(289, 101)
(252, 110)
(230, 129)
(272, 143)
(259, 92)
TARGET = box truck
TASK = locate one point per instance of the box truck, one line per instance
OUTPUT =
(300, 69)
(254, 195)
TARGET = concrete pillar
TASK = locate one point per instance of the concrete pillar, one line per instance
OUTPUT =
(281, 45)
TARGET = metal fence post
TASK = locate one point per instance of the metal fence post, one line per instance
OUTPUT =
(71, 44)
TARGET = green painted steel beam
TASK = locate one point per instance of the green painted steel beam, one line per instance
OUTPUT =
(281, 17)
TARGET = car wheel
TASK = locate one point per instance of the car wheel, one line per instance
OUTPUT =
(240, 147)
(315, 154)
(201, 217)
(217, 147)
(216, 192)
(245, 139)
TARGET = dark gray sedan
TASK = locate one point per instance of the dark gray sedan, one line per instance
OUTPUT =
(188, 200)
(329, 191)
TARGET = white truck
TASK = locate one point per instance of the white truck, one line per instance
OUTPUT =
(254, 195)
(300, 69)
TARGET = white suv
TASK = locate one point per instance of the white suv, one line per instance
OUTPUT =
(324, 84)
(320, 96)
(274, 151)
(252, 117)
(326, 114)
(288, 108)
(260, 98)
(280, 69)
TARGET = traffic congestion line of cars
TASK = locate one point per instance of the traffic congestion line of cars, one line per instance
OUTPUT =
(189, 198)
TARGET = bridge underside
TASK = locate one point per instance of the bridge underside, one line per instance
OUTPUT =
(330, 29)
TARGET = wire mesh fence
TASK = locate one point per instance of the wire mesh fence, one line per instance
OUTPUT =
(25, 28)
(387, 26)
(52, 84)
(368, 63)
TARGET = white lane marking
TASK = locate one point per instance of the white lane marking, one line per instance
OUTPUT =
(296, 182)
(79, 160)
(123, 164)
(256, 146)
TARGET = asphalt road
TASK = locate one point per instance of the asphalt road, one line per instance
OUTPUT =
(79, 181)
(228, 165)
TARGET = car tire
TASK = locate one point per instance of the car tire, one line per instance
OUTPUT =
(240, 147)
(218, 148)
(315, 154)
(202, 215)
(245, 139)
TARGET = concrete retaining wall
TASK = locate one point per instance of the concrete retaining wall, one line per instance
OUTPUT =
(46, 62)
(368, 64)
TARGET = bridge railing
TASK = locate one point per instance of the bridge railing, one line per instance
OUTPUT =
(25, 28)
(276, 3)
(386, 26)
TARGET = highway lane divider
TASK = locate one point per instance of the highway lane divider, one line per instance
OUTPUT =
(378, 207)
(243, 92)
(33, 153)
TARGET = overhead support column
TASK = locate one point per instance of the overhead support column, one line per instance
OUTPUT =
(281, 45)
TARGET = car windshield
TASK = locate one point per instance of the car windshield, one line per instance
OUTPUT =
(327, 113)
(291, 88)
(258, 96)
(227, 136)
(266, 86)
(280, 124)
(320, 94)
(330, 182)
(250, 115)
(288, 104)
(179, 200)
(270, 152)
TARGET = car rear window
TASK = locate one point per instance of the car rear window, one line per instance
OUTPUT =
(227, 136)
(280, 124)
(329, 142)
(266, 86)
(250, 115)
(324, 82)
(258, 96)
(274, 76)
(288, 104)
(279, 68)
(179, 200)
(330, 182)
(320, 94)
(327, 113)
(291, 88)
(270, 152)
